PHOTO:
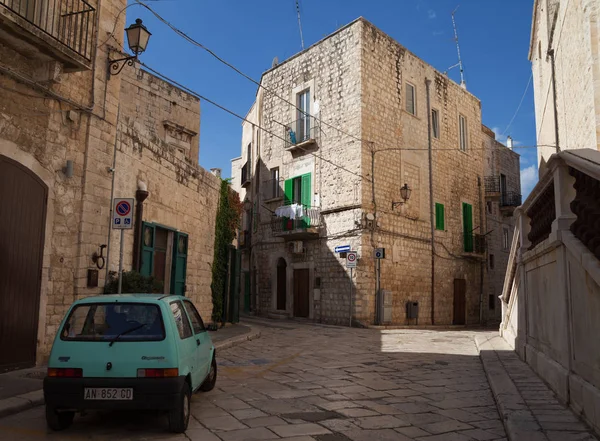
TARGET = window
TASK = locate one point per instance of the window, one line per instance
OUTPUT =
(181, 320)
(435, 123)
(439, 217)
(491, 302)
(492, 261)
(195, 318)
(164, 257)
(411, 104)
(274, 188)
(462, 128)
(298, 191)
(489, 207)
(505, 239)
(467, 227)
(303, 125)
(105, 321)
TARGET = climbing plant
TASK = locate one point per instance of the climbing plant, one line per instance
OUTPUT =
(228, 218)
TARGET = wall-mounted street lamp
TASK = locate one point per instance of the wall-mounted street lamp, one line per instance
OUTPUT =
(405, 192)
(137, 39)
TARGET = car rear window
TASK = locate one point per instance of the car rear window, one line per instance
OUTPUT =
(104, 321)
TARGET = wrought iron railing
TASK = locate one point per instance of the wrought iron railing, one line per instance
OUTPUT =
(492, 184)
(311, 218)
(301, 131)
(245, 174)
(70, 22)
(542, 213)
(510, 199)
(273, 189)
(586, 206)
(474, 243)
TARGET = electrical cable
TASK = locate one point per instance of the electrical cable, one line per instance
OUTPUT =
(520, 104)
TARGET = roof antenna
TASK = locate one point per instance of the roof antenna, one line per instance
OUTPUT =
(300, 23)
(459, 64)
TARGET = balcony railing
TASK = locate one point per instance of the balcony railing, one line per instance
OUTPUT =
(301, 227)
(246, 175)
(302, 133)
(273, 189)
(69, 22)
(474, 243)
(492, 184)
(510, 199)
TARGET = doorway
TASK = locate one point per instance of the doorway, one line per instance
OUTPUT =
(460, 302)
(23, 198)
(281, 284)
(301, 293)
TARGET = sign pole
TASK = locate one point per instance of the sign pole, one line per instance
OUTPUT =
(120, 264)
(351, 269)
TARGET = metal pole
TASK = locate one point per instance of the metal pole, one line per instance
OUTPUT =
(378, 289)
(350, 297)
(120, 264)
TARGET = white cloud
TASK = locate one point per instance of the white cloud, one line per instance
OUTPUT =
(529, 177)
(502, 138)
(431, 14)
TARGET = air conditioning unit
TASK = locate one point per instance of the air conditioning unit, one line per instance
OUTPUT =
(296, 247)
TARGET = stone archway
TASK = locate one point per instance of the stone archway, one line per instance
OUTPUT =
(281, 297)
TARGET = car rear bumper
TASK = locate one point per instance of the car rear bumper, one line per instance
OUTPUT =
(148, 393)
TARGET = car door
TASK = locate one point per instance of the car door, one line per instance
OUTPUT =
(188, 348)
(204, 344)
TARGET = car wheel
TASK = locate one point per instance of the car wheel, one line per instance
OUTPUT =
(58, 420)
(211, 379)
(180, 416)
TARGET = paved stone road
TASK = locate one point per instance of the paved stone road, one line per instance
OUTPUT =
(308, 382)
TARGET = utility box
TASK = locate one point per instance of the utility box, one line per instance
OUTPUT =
(412, 310)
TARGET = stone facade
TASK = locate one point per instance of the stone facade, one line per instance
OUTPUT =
(364, 145)
(117, 130)
(571, 30)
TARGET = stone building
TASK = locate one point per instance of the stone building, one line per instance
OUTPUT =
(345, 126)
(72, 136)
(565, 58)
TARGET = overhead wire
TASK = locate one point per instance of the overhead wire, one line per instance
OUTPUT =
(520, 104)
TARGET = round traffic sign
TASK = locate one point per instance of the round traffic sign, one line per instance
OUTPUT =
(351, 257)
(123, 208)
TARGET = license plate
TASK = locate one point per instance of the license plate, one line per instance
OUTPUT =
(108, 393)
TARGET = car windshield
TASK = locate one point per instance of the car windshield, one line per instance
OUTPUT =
(105, 321)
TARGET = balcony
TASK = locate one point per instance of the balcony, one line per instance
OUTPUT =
(246, 175)
(302, 134)
(60, 30)
(305, 227)
(474, 243)
(492, 186)
(509, 201)
(273, 190)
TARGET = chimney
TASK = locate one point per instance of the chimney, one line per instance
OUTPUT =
(216, 172)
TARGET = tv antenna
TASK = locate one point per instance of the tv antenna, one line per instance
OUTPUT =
(299, 23)
(459, 64)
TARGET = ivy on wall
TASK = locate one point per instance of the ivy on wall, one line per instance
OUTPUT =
(228, 217)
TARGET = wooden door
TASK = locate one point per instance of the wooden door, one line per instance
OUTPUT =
(460, 299)
(301, 293)
(23, 199)
(281, 285)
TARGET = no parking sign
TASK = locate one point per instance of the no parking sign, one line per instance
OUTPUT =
(122, 213)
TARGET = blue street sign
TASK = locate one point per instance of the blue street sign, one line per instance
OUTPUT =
(342, 249)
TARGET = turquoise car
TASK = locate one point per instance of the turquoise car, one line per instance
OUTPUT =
(130, 351)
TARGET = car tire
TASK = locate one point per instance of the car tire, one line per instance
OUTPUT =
(180, 416)
(58, 420)
(211, 378)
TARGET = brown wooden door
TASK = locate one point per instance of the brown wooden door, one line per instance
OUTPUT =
(281, 285)
(460, 299)
(22, 223)
(301, 291)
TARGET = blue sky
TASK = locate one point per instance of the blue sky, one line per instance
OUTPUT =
(494, 39)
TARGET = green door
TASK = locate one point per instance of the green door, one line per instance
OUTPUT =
(179, 267)
(288, 189)
(468, 227)
(147, 264)
(306, 198)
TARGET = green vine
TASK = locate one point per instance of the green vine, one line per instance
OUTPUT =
(228, 216)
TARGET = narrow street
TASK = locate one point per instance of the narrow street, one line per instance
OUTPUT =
(302, 382)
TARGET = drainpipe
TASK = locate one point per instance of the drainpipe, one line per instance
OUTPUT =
(431, 206)
(482, 263)
(112, 191)
(553, 63)
(140, 196)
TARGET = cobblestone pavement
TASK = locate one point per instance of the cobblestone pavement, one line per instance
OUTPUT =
(305, 382)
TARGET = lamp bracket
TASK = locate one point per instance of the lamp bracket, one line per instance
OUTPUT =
(116, 66)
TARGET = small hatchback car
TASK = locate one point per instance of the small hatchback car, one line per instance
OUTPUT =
(130, 351)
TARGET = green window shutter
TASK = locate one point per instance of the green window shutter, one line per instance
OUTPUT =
(179, 267)
(439, 217)
(288, 192)
(468, 227)
(147, 264)
(306, 197)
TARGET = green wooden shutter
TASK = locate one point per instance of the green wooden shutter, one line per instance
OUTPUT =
(288, 192)
(306, 198)
(468, 227)
(148, 236)
(179, 267)
(439, 217)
